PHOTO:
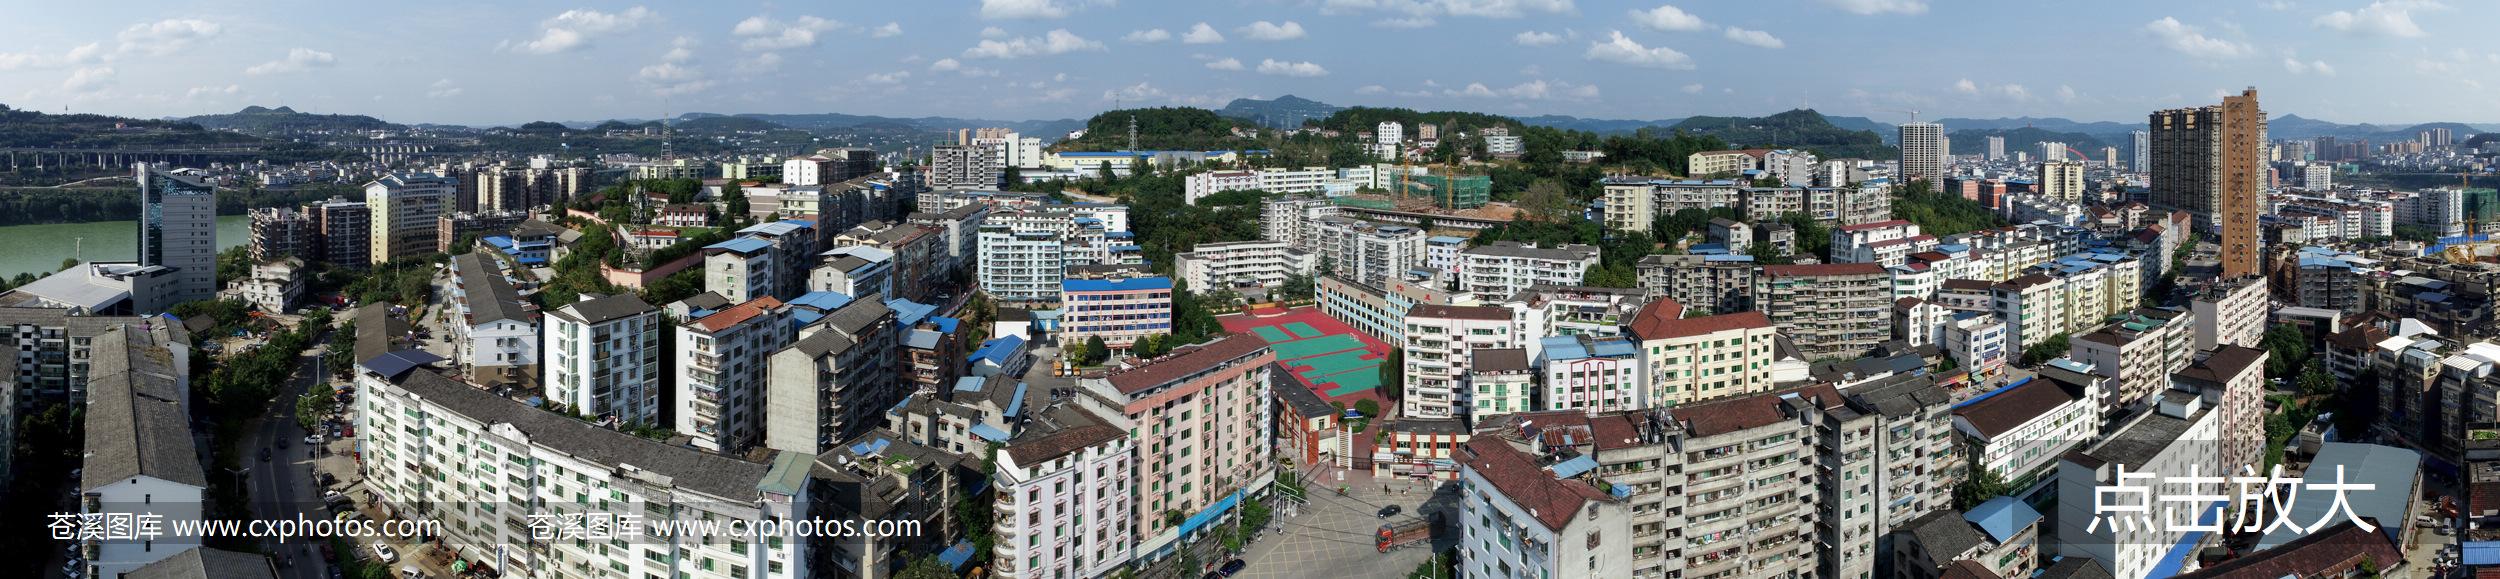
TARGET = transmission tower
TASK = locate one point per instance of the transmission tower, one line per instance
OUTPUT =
(1132, 132)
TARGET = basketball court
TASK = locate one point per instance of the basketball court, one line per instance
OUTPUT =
(1328, 357)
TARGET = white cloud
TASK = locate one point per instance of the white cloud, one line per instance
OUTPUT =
(678, 54)
(1477, 8)
(1058, 41)
(1416, 22)
(1303, 69)
(196, 92)
(1622, 50)
(2456, 63)
(994, 32)
(889, 30)
(574, 28)
(1421, 94)
(1754, 37)
(90, 54)
(1226, 64)
(443, 93)
(1140, 92)
(2192, 41)
(1144, 36)
(766, 62)
(1694, 88)
(766, 33)
(2275, 5)
(1373, 89)
(2066, 94)
(1531, 90)
(1534, 38)
(955, 66)
(945, 65)
(1264, 30)
(1668, 18)
(297, 60)
(669, 78)
(2016, 92)
(2387, 18)
(1966, 86)
(1879, 6)
(1201, 33)
(2316, 66)
(1022, 9)
(165, 36)
(1061, 77)
(89, 79)
(889, 78)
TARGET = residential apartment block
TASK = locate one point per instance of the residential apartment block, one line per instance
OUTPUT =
(1439, 341)
(1502, 268)
(1201, 433)
(1831, 310)
(402, 209)
(603, 358)
(722, 357)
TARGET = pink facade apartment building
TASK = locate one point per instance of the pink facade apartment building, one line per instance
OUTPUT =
(1119, 310)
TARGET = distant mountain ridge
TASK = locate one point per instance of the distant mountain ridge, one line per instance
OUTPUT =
(1047, 130)
(1285, 112)
(260, 120)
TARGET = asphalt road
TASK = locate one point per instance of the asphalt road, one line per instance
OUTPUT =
(282, 487)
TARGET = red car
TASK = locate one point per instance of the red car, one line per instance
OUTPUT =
(327, 554)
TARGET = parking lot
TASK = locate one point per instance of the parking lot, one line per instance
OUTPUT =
(1332, 536)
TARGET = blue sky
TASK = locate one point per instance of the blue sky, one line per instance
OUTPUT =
(467, 62)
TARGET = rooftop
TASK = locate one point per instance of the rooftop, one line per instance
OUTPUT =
(682, 467)
(1185, 361)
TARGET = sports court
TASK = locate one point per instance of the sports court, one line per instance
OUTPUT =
(1328, 357)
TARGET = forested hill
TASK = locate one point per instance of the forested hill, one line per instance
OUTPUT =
(25, 128)
(1368, 119)
(282, 120)
(1801, 128)
(1162, 129)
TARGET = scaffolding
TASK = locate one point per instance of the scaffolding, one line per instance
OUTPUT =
(1445, 191)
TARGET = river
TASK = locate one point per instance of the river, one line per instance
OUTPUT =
(40, 248)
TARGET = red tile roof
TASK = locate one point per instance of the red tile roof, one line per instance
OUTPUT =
(1867, 226)
(1551, 501)
(1718, 417)
(736, 314)
(1968, 569)
(2005, 411)
(1683, 327)
(1657, 312)
(1823, 269)
(1186, 360)
(1930, 256)
(2025, 282)
(2483, 499)
(2328, 552)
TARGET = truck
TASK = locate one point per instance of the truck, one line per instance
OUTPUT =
(1406, 532)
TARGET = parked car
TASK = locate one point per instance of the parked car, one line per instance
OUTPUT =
(328, 554)
(312, 439)
(384, 553)
(282, 443)
(264, 454)
(1391, 511)
(1232, 567)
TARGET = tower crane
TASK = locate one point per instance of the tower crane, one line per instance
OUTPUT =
(1913, 114)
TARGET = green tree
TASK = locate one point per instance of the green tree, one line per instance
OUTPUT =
(1982, 484)
(1939, 213)
(1367, 407)
(1546, 201)
(1393, 375)
(66, 263)
(1096, 351)
(2053, 348)
(2289, 351)
(924, 566)
(2315, 381)
(1327, 265)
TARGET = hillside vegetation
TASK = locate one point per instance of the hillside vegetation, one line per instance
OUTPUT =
(1796, 129)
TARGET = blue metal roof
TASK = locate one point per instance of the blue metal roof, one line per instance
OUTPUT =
(2480, 553)
(1015, 405)
(955, 557)
(1445, 239)
(394, 363)
(2002, 517)
(1726, 257)
(1562, 348)
(1614, 348)
(1113, 285)
(907, 312)
(998, 349)
(821, 300)
(990, 434)
(945, 324)
(742, 245)
(1203, 517)
(970, 383)
(2392, 469)
(1575, 466)
(871, 446)
(500, 242)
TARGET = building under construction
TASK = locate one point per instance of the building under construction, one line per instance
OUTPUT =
(1445, 191)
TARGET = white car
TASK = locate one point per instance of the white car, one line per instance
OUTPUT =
(312, 439)
(384, 552)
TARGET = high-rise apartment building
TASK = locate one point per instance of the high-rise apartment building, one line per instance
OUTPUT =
(2243, 195)
(178, 229)
(2188, 161)
(2051, 151)
(1996, 148)
(343, 232)
(962, 167)
(837, 380)
(2141, 144)
(404, 208)
(278, 231)
(721, 359)
(2063, 181)
(1837, 310)
(603, 358)
(1202, 436)
(1440, 340)
(1922, 151)
(1375, 254)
